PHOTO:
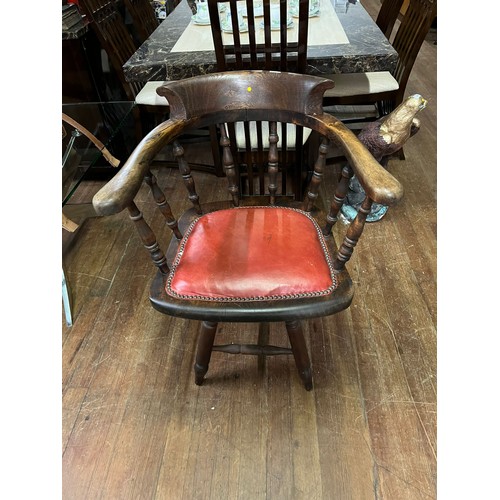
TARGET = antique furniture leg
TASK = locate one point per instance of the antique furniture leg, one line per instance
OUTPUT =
(205, 343)
(66, 301)
(262, 340)
(299, 349)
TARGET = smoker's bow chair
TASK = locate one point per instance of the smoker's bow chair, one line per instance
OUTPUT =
(251, 259)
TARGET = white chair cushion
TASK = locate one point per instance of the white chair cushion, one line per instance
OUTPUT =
(347, 84)
(290, 129)
(149, 97)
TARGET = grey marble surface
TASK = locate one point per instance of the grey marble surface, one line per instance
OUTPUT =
(368, 50)
(76, 31)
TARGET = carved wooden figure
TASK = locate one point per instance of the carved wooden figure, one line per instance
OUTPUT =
(383, 138)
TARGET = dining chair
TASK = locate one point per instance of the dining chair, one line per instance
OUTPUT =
(117, 42)
(384, 90)
(143, 17)
(263, 35)
(388, 15)
(257, 259)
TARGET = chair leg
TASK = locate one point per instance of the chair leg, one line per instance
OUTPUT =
(263, 340)
(66, 301)
(299, 349)
(204, 351)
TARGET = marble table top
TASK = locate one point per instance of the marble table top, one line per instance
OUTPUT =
(367, 50)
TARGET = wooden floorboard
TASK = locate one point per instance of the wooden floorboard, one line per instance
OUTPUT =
(135, 425)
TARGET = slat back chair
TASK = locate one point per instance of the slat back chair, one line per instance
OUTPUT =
(143, 17)
(114, 37)
(116, 40)
(260, 46)
(388, 15)
(382, 88)
(235, 259)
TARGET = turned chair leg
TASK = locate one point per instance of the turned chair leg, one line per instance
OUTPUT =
(204, 351)
(299, 349)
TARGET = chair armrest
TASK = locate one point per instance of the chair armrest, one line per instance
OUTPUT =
(377, 182)
(120, 191)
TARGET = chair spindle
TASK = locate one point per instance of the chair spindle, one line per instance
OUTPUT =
(273, 161)
(229, 167)
(185, 171)
(148, 238)
(352, 236)
(162, 203)
(338, 199)
(319, 166)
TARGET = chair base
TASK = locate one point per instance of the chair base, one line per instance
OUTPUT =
(298, 350)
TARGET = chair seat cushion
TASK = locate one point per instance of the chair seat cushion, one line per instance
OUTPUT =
(148, 96)
(252, 254)
(347, 84)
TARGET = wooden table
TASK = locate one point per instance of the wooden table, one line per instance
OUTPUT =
(365, 48)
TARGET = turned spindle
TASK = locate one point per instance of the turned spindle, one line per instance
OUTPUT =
(185, 171)
(148, 238)
(162, 204)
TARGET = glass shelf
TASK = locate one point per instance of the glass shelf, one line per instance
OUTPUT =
(113, 123)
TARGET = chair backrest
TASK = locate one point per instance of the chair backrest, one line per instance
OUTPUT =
(114, 38)
(250, 96)
(409, 38)
(387, 16)
(143, 17)
(261, 44)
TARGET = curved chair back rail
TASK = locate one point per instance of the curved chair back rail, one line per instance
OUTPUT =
(246, 95)
(251, 258)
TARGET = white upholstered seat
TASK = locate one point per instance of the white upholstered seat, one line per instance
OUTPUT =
(290, 135)
(148, 96)
(347, 84)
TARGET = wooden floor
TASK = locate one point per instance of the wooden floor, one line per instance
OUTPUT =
(136, 426)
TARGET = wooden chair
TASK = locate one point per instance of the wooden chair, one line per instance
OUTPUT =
(388, 15)
(383, 89)
(258, 46)
(251, 259)
(116, 40)
(143, 17)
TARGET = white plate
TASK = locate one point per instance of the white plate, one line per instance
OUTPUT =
(195, 20)
(295, 13)
(229, 29)
(289, 25)
(258, 10)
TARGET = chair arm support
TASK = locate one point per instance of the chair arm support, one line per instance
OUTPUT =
(377, 182)
(120, 191)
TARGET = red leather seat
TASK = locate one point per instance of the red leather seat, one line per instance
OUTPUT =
(251, 254)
